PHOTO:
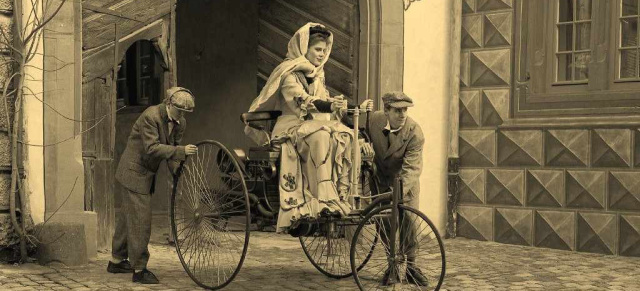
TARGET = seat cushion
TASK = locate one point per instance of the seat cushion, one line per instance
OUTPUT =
(259, 116)
(264, 153)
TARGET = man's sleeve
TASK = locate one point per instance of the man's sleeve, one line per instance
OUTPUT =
(412, 163)
(152, 145)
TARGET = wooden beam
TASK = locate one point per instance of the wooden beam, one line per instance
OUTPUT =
(100, 32)
(172, 45)
(108, 11)
(99, 62)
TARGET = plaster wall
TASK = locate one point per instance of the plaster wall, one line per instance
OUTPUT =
(427, 55)
(34, 127)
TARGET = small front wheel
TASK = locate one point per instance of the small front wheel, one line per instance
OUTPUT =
(328, 248)
(418, 248)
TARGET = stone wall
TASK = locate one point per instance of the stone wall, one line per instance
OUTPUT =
(572, 188)
(7, 237)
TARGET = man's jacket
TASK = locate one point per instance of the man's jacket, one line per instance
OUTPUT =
(398, 153)
(149, 143)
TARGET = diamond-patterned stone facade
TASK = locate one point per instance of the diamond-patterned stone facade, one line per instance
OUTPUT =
(545, 188)
(495, 106)
(505, 187)
(611, 148)
(629, 235)
(567, 148)
(520, 148)
(585, 189)
(497, 29)
(637, 148)
(514, 226)
(484, 5)
(555, 229)
(477, 148)
(552, 180)
(465, 70)
(471, 31)
(624, 191)
(468, 6)
(491, 68)
(470, 108)
(475, 222)
(597, 233)
(471, 189)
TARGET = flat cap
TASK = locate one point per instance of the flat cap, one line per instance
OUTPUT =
(397, 99)
(181, 98)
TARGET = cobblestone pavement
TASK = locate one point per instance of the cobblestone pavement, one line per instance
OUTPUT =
(276, 262)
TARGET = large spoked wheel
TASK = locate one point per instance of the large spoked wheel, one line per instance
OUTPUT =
(424, 253)
(328, 248)
(210, 216)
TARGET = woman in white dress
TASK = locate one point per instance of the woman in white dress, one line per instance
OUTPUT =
(315, 156)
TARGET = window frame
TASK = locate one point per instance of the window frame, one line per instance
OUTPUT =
(131, 78)
(534, 65)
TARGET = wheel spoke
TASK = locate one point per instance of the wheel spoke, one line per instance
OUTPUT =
(418, 248)
(206, 208)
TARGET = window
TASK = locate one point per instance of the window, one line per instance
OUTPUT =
(138, 82)
(577, 57)
(572, 36)
(627, 53)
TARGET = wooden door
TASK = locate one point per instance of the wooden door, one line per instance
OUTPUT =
(280, 19)
(98, 153)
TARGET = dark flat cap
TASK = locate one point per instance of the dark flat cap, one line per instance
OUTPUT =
(397, 99)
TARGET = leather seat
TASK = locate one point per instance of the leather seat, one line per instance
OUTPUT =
(264, 153)
(251, 118)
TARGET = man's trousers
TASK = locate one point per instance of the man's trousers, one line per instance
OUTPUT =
(133, 230)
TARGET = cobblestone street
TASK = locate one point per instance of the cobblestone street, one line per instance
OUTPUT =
(276, 262)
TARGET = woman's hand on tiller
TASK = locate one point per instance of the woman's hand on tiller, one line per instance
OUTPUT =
(339, 103)
(367, 105)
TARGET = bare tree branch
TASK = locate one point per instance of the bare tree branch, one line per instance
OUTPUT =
(48, 71)
(4, 94)
(43, 23)
(55, 110)
(49, 56)
(8, 43)
(62, 204)
(35, 41)
(66, 139)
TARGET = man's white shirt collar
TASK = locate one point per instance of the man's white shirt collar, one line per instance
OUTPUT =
(388, 127)
(171, 117)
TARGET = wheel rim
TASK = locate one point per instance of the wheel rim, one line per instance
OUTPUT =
(328, 250)
(210, 216)
(428, 251)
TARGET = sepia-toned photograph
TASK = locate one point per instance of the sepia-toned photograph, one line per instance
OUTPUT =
(320, 145)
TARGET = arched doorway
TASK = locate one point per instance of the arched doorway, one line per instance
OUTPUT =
(223, 77)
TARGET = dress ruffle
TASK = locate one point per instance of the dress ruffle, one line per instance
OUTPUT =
(296, 198)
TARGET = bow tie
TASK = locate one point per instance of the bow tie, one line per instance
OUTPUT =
(386, 132)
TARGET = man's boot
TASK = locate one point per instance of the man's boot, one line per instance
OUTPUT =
(415, 276)
(387, 279)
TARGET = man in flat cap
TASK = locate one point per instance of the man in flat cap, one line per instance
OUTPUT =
(397, 148)
(155, 137)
